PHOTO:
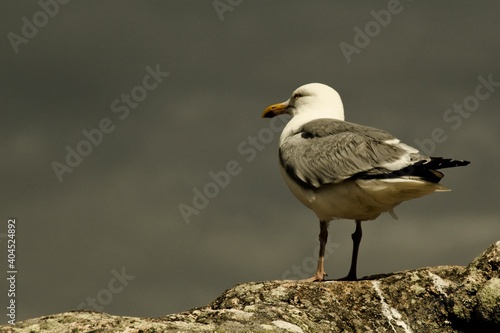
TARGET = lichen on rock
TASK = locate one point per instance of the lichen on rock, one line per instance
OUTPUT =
(435, 299)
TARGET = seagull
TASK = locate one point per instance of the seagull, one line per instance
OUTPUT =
(343, 170)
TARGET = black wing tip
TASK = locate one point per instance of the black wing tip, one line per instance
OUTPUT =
(425, 170)
(442, 163)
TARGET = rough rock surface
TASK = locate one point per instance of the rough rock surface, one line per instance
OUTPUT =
(436, 299)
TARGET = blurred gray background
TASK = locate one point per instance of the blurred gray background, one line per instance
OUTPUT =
(118, 211)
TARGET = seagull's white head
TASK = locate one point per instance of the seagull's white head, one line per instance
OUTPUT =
(310, 101)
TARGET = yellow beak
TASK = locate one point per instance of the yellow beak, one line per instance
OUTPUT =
(275, 110)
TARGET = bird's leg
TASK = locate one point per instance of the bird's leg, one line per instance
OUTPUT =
(356, 239)
(323, 238)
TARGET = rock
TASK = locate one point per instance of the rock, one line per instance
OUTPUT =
(436, 299)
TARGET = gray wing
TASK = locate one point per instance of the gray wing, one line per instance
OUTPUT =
(327, 127)
(328, 151)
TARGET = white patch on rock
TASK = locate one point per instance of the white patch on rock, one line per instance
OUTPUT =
(439, 283)
(267, 327)
(191, 326)
(279, 292)
(238, 314)
(288, 326)
(389, 312)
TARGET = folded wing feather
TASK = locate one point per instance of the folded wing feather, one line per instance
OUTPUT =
(327, 151)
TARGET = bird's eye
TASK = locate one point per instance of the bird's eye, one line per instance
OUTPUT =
(297, 96)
